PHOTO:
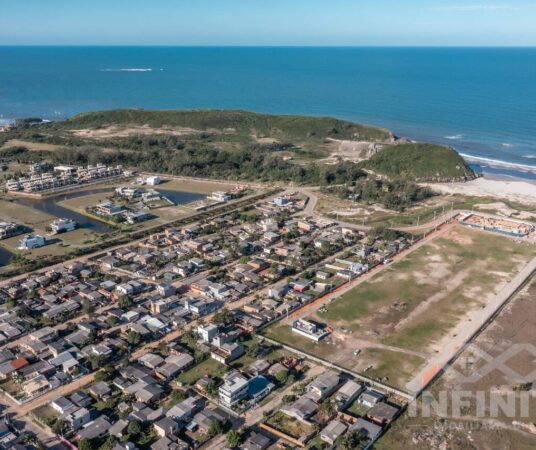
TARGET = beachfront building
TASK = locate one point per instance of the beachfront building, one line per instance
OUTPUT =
(62, 225)
(310, 330)
(61, 177)
(153, 181)
(109, 208)
(90, 173)
(128, 192)
(31, 241)
(9, 229)
(133, 217)
(220, 196)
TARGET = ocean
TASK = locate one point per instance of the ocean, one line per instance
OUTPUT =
(481, 101)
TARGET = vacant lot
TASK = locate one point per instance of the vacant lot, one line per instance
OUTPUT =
(362, 213)
(514, 325)
(404, 314)
(209, 367)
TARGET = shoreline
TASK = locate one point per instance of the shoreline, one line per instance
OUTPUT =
(489, 167)
(511, 190)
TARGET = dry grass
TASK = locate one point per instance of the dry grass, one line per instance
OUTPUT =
(401, 316)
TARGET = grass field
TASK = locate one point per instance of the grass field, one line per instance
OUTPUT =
(513, 326)
(402, 315)
(209, 367)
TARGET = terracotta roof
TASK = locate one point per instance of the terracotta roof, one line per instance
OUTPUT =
(19, 363)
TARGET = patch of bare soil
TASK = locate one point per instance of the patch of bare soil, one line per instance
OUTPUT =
(456, 235)
(121, 132)
(351, 150)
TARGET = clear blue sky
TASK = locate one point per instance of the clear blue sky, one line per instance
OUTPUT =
(269, 22)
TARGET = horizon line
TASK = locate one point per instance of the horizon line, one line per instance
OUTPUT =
(528, 46)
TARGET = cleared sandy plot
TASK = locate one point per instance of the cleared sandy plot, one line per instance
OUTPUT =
(362, 213)
(402, 316)
(112, 131)
(515, 325)
(34, 146)
(201, 187)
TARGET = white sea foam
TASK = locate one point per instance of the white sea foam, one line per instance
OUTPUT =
(498, 163)
(129, 69)
(455, 137)
(507, 145)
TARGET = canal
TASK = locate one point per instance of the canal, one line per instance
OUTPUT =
(50, 206)
(5, 256)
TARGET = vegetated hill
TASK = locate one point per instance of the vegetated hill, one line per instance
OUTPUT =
(234, 145)
(419, 162)
(285, 128)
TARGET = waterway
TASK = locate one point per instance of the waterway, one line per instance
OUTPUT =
(5, 256)
(50, 206)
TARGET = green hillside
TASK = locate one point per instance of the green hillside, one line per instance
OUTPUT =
(419, 162)
(281, 127)
(234, 145)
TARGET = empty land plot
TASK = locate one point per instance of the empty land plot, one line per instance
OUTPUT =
(514, 325)
(403, 315)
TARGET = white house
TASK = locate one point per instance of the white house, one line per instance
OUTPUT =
(153, 180)
(62, 225)
(31, 241)
(234, 389)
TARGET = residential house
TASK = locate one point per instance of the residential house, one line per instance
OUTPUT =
(234, 389)
(333, 431)
(302, 409)
(257, 441)
(348, 392)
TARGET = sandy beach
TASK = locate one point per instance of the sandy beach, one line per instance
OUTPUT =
(516, 190)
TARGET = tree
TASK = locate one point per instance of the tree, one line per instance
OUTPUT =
(134, 428)
(327, 408)
(111, 321)
(288, 399)
(133, 337)
(215, 428)
(177, 396)
(351, 440)
(109, 443)
(125, 302)
(85, 444)
(282, 376)
(11, 303)
(60, 427)
(253, 349)
(223, 317)
(87, 307)
(233, 439)
(96, 361)
(104, 375)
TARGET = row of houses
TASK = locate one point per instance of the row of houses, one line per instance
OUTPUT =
(63, 176)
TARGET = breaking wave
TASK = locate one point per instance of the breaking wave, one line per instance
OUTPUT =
(498, 163)
(129, 69)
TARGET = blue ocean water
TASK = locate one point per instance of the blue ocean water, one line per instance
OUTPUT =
(480, 101)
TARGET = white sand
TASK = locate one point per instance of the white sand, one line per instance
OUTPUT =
(519, 191)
